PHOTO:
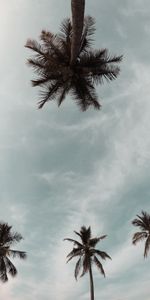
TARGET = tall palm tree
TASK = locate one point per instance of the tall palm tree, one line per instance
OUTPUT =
(7, 239)
(87, 255)
(62, 68)
(143, 222)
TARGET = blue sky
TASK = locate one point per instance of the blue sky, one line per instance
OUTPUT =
(61, 168)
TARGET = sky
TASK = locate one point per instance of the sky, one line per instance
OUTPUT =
(61, 168)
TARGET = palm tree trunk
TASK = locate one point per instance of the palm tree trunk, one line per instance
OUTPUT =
(91, 282)
(77, 8)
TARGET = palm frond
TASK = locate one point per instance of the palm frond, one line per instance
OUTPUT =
(102, 237)
(142, 221)
(16, 253)
(65, 38)
(89, 26)
(139, 223)
(46, 37)
(46, 78)
(92, 58)
(92, 65)
(99, 74)
(94, 241)
(77, 233)
(66, 28)
(88, 31)
(49, 57)
(50, 92)
(84, 93)
(145, 218)
(10, 267)
(75, 252)
(102, 254)
(7, 237)
(5, 233)
(113, 59)
(77, 268)
(52, 42)
(139, 236)
(3, 272)
(63, 93)
(16, 237)
(86, 264)
(36, 65)
(99, 265)
(40, 81)
(73, 241)
(98, 57)
(85, 234)
(147, 246)
(35, 46)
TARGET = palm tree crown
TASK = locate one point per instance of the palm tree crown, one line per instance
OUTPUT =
(60, 71)
(7, 239)
(143, 222)
(87, 254)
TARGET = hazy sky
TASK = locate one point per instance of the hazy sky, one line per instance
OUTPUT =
(61, 168)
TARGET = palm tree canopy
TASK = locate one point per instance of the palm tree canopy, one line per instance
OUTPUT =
(7, 239)
(59, 73)
(86, 252)
(143, 222)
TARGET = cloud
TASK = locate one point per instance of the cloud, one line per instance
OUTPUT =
(124, 258)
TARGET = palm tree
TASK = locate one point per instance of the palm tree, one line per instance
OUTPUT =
(143, 222)
(62, 68)
(7, 239)
(87, 255)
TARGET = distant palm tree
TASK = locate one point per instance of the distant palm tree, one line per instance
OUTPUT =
(87, 255)
(65, 65)
(143, 222)
(7, 239)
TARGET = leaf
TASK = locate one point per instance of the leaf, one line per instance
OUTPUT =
(147, 246)
(3, 272)
(143, 221)
(85, 234)
(102, 254)
(77, 268)
(99, 265)
(16, 253)
(94, 241)
(86, 264)
(73, 241)
(77, 253)
(49, 93)
(139, 236)
(10, 267)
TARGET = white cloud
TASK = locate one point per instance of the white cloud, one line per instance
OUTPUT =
(124, 258)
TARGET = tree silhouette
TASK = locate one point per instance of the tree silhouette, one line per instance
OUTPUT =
(143, 222)
(7, 239)
(62, 68)
(87, 254)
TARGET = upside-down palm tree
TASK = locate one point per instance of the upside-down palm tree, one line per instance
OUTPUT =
(87, 254)
(66, 64)
(143, 222)
(7, 239)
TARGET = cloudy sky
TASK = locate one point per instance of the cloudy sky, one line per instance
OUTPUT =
(61, 168)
